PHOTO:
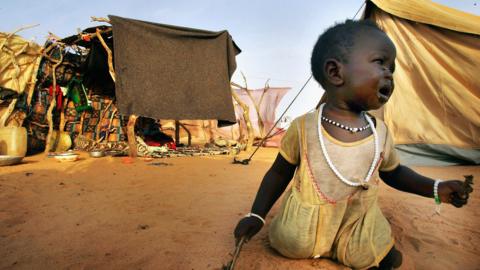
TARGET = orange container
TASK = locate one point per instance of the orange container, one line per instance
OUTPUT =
(13, 141)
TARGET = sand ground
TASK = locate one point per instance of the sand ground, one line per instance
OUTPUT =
(179, 213)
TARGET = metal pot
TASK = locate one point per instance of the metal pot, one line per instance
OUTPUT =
(97, 153)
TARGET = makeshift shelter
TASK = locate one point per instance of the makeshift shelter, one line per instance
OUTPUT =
(19, 62)
(73, 101)
(434, 112)
(163, 72)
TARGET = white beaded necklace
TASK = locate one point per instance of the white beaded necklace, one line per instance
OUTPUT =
(376, 154)
(351, 129)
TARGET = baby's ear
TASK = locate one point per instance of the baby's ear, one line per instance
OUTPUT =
(333, 70)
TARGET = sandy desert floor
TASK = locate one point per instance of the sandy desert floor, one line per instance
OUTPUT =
(179, 213)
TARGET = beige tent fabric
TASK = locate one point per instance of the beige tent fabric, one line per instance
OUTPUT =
(19, 62)
(428, 12)
(437, 94)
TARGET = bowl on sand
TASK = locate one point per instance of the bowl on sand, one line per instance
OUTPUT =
(97, 153)
(67, 157)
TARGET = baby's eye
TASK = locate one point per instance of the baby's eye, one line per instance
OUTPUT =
(379, 61)
(392, 69)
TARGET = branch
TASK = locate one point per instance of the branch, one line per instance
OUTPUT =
(255, 105)
(109, 52)
(246, 117)
(52, 35)
(53, 103)
(24, 28)
(99, 19)
(236, 85)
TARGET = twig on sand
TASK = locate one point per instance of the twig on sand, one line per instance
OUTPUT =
(238, 247)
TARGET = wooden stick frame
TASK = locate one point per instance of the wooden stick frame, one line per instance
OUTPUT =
(109, 54)
(48, 142)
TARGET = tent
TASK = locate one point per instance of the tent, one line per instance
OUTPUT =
(434, 112)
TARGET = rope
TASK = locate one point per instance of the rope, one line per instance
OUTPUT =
(363, 4)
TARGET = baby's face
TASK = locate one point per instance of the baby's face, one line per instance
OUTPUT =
(368, 72)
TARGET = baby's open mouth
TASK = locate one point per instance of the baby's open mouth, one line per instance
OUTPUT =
(384, 93)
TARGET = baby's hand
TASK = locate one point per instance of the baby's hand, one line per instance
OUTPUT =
(456, 192)
(247, 227)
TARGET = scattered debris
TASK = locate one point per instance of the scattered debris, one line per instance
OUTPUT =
(191, 152)
(160, 164)
(127, 160)
(143, 227)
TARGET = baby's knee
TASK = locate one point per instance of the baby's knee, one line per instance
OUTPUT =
(392, 260)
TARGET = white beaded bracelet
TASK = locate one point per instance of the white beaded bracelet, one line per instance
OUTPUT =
(255, 215)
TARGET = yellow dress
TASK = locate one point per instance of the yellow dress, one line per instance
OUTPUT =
(320, 215)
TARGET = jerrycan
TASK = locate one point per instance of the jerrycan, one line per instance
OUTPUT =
(13, 141)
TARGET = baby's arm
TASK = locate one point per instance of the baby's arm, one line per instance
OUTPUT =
(405, 179)
(273, 185)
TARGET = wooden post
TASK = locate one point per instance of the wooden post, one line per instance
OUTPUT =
(177, 132)
(132, 141)
(189, 134)
(211, 124)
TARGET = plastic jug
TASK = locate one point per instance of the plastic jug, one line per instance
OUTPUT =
(13, 141)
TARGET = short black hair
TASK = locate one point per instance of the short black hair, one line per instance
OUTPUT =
(336, 42)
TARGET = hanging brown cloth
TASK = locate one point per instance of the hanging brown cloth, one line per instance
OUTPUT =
(171, 72)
